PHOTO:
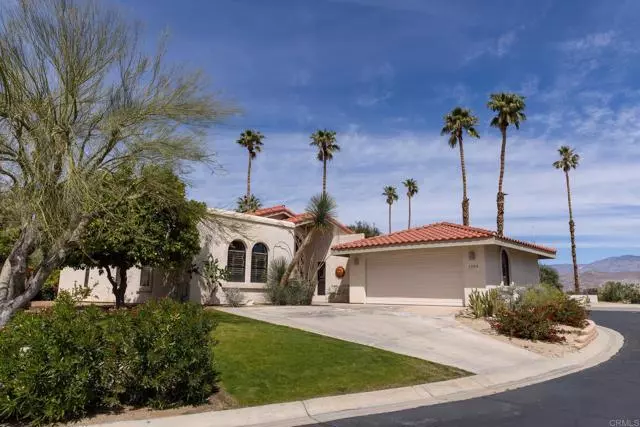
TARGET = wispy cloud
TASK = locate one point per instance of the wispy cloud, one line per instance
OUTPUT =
(590, 41)
(498, 47)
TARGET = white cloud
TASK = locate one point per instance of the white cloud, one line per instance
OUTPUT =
(590, 41)
(495, 47)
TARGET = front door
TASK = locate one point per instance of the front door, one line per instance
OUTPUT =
(321, 278)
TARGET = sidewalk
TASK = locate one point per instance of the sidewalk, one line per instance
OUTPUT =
(324, 409)
(614, 306)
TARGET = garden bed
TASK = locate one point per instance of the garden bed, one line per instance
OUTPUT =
(547, 349)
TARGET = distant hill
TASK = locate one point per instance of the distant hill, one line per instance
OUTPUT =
(625, 268)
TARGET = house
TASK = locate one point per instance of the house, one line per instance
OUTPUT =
(244, 244)
(438, 264)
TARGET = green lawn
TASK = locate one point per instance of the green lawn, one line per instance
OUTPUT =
(261, 363)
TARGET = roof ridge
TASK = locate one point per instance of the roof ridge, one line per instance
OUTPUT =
(468, 227)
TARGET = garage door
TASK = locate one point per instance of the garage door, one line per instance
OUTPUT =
(414, 277)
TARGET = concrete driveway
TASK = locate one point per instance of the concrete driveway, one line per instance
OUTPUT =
(429, 333)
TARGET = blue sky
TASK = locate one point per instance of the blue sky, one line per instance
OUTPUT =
(382, 73)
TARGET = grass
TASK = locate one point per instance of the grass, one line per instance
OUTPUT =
(262, 363)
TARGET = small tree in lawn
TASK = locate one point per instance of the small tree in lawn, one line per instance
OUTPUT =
(156, 229)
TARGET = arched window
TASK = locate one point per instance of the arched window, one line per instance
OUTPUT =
(236, 256)
(259, 262)
(506, 274)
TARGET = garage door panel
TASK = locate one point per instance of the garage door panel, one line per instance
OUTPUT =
(414, 275)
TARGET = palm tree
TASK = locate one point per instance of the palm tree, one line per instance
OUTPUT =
(325, 141)
(252, 141)
(321, 212)
(569, 159)
(246, 204)
(509, 109)
(392, 195)
(412, 189)
(457, 122)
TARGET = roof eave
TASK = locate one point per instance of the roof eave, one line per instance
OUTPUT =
(444, 244)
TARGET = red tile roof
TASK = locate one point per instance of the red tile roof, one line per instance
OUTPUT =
(293, 217)
(434, 233)
(273, 210)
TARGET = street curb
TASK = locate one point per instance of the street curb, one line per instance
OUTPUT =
(322, 409)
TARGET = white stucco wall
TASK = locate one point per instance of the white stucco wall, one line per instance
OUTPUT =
(71, 279)
(437, 276)
(277, 235)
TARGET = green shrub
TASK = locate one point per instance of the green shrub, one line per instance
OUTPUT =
(296, 292)
(174, 344)
(50, 364)
(620, 292)
(63, 363)
(485, 304)
(526, 321)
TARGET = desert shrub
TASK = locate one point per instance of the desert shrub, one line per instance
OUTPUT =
(550, 276)
(297, 291)
(561, 308)
(620, 292)
(485, 304)
(234, 297)
(65, 362)
(526, 321)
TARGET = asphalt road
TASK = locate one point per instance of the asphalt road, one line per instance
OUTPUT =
(607, 395)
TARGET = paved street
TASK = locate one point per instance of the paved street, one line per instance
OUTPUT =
(603, 396)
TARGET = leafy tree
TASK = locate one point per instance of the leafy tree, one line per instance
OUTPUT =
(79, 100)
(412, 189)
(325, 142)
(156, 229)
(369, 230)
(456, 123)
(509, 109)
(569, 159)
(252, 141)
(550, 276)
(392, 196)
(246, 204)
(321, 211)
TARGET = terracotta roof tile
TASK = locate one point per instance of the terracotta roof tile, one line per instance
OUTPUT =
(433, 233)
(293, 217)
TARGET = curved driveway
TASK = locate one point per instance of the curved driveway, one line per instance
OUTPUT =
(607, 395)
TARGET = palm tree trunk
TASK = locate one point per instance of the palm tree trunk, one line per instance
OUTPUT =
(324, 176)
(249, 178)
(572, 232)
(389, 217)
(409, 212)
(500, 197)
(465, 200)
(284, 280)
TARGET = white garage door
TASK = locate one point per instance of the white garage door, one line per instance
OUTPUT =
(414, 277)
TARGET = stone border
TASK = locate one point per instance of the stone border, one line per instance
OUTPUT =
(605, 343)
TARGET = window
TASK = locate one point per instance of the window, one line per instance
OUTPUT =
(236, 256)
(259, 262)
(146, 279)
(506, 271)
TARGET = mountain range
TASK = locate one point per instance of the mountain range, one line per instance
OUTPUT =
(625, 268)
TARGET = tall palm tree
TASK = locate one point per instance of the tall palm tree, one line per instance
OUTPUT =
(321, 211)
(392, 195)
(325, 142)
(412, 189)
(509, 109)
(456, 123)
(252, 141)
(569, 159)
